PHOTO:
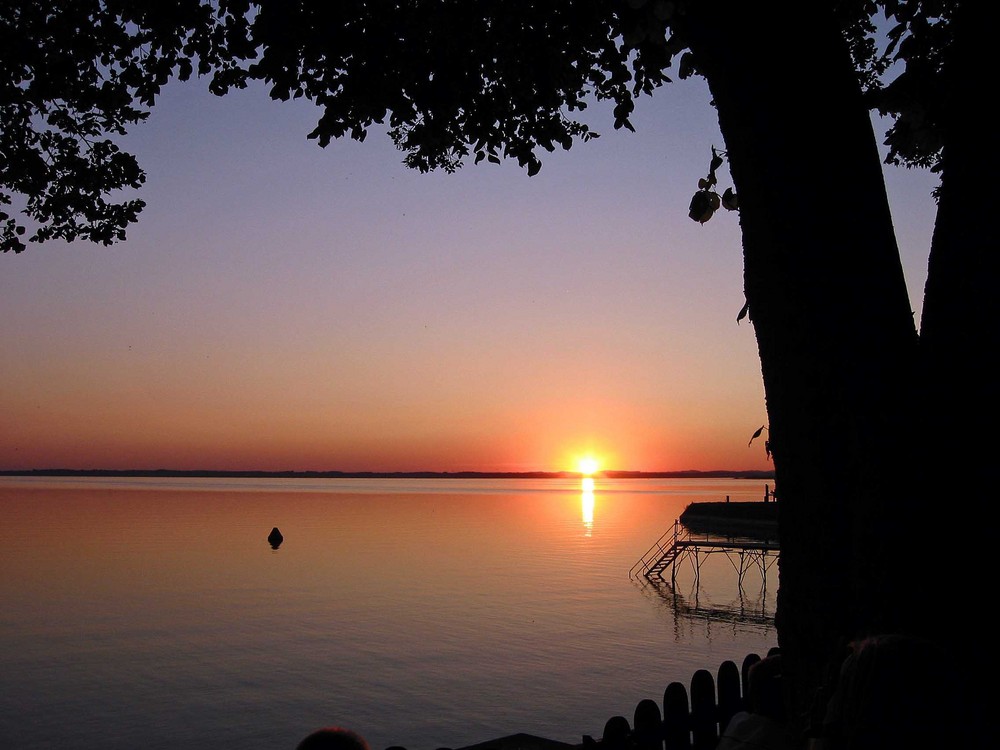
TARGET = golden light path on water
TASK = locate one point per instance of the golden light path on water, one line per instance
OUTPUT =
(587, 504)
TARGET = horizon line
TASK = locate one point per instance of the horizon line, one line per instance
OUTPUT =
(419, 474)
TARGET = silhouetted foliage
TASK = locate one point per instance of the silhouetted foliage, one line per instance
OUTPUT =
(707, 200)
(919, 35)
(72, 77)
(449, 80)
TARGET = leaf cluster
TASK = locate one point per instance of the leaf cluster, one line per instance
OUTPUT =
(904, 79)
(449, 80)
(452, 80)
(706, 201)
(73, 76)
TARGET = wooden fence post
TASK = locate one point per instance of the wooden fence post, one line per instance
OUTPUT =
(730, 695)
(617, 734)
(704, 716)
(676, 718)
(748, 662)
(697, 725)
(647, 726)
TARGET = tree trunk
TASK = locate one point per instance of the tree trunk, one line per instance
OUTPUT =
(961, 304)
(958, 333)
(834, 327)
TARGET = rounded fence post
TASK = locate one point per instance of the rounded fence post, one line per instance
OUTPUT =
(730, 694)
(647, 726)
(704, 716)
(676, 718)
(617, 733)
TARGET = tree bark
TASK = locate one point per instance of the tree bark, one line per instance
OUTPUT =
(958, 333)
(961, 304)
(834, 327)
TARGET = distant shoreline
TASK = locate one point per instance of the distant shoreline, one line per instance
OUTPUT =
(208, 473)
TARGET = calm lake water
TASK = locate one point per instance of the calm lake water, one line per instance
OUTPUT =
(152, 613)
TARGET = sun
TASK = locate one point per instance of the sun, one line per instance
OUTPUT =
(588, 465)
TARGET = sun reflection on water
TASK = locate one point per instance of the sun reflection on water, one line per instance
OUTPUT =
(587, 504)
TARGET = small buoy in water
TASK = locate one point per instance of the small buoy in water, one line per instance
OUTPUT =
(275, 538)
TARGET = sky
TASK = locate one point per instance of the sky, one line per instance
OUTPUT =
(284, 307)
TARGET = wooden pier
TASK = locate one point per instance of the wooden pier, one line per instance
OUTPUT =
(681, 544)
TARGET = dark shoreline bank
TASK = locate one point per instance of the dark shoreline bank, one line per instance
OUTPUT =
(208, 473)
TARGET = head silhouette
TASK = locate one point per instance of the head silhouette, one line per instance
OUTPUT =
(893, 691)
(333, 738)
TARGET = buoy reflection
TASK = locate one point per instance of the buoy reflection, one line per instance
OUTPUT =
(587, 504)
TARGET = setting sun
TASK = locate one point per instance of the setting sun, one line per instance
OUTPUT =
(588, 465)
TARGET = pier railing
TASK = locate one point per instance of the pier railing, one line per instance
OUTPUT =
(661, 547)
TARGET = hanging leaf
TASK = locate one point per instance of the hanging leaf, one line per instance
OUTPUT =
(767, 448)
(756, 435)
(729, 200)
(704, 203)
(716, 161)
(743, 314)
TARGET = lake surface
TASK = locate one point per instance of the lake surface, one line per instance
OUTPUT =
(424, 613)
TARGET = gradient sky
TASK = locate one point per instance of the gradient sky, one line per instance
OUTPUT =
(284, 307)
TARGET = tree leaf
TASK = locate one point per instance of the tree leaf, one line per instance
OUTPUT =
(701, 208)
(716, 160)
(729, 200)
(756, 435)
(743, 313)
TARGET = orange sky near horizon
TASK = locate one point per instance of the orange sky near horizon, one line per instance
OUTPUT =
(282, 307)
(138, 427)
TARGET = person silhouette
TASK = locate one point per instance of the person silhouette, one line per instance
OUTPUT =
(333, 738)
(892, 691)
(762, 726)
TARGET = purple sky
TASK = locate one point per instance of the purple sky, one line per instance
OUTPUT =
(281, 306)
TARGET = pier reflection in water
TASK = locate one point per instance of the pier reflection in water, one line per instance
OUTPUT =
(705, 564)
(750, 606)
